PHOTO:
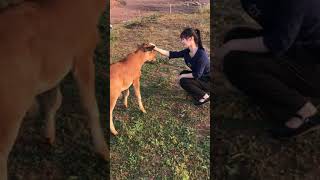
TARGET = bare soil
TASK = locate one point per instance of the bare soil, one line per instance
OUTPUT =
(136, 8)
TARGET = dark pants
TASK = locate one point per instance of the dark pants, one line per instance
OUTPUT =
(197, 88)
(280, 86)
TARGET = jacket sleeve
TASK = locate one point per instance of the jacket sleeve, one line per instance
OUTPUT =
(283, 26)
(177, 54)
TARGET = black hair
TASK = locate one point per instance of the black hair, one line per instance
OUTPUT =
(189, 32)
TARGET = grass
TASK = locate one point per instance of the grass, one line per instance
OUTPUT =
(248, 152)
(166, 142)
(72, 157)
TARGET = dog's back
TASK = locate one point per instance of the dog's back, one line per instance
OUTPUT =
(39, 40)
(122, 73)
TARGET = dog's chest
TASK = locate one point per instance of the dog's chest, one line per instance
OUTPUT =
(126, 86)
(127, 82)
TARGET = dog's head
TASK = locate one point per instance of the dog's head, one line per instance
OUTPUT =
(150, 53)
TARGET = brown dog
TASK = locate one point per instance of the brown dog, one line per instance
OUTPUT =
(40, 42)
(125, 73)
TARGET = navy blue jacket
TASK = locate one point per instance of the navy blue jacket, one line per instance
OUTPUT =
(287, 24)
(199, 63)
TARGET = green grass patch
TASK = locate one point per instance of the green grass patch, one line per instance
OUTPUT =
(164, 143)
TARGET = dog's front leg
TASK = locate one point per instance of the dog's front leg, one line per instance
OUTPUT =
(114, 94)
(84, 74)
(136, 85)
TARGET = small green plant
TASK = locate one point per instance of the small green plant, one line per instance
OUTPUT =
(164, 143)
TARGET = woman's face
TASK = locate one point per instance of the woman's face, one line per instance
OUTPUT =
(187, 42)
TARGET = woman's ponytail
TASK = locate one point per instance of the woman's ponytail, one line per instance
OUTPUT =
(199, 39)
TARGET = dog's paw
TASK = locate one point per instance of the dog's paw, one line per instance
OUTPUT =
(114, 132)
(104, 154)
(50, 140)
(50, 136)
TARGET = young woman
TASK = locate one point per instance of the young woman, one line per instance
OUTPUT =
(197, 81)
(278, 66)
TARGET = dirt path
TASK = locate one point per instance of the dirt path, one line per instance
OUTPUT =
(136, 8)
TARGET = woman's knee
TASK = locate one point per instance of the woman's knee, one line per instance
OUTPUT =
(234, 61)
(241, 32)
(184, 82)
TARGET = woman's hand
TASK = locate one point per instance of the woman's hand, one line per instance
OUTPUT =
(220, 54)
(155, 47)
(161, 51)
(255, 45)
(151, 44)
(222, 51)
(189, 75)
(179, 77)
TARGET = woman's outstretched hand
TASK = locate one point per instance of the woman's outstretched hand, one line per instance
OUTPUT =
(222, 52)
(151, 44)
(161, 51)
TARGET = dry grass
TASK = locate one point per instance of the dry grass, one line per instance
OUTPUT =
(166, 142)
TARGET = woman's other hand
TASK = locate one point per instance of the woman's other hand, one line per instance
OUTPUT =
(151, 44)
(222, 51)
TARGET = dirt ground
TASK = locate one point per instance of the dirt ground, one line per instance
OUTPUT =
(136, 8)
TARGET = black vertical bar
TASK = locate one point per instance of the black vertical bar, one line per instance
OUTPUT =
(212, 122)
(103, 80)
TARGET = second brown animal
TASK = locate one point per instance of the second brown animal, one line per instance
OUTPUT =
(125, 73)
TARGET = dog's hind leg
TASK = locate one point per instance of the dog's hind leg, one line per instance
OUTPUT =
(136, 85)
(113, 100)
(125, 99)
(50, 101)
(84, 74)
